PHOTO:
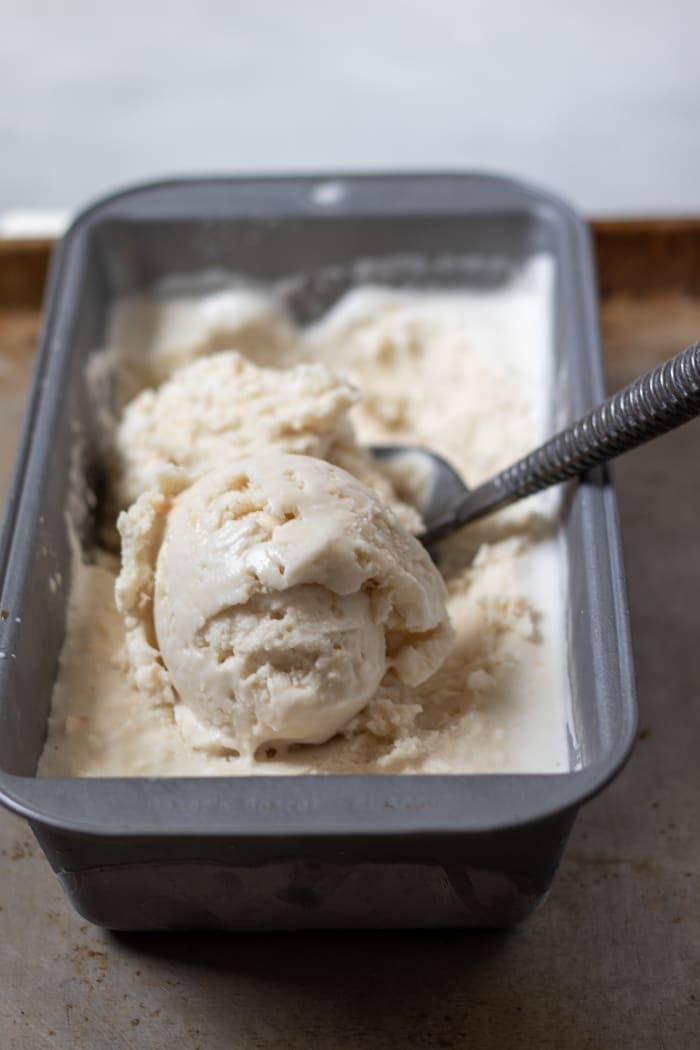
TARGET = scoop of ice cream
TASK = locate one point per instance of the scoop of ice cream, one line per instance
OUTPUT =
(283, 591)
(223, 407)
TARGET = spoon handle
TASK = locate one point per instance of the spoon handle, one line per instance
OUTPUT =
(658, 401)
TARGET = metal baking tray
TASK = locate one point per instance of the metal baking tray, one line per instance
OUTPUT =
(306, 851)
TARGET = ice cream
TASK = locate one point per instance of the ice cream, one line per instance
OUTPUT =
(195, 324)
(467, 372)
(222, 406)
(267, 602)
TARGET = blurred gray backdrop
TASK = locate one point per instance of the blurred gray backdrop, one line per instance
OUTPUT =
(600, 101)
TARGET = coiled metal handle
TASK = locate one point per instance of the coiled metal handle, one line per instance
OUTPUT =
(658, 401)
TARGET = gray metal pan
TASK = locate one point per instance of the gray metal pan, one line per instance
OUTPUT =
(300, 852)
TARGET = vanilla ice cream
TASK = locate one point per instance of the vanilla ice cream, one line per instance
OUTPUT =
(195, 325)
(278, 593)
(214, 645)
(222, 405)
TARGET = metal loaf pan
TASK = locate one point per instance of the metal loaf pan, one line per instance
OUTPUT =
(299, 852)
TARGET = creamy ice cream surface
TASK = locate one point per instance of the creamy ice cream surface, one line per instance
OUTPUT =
(223, 403)
(195, 325)
(275, 622)
(278, 594)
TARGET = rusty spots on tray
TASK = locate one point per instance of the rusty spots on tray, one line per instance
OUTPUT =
(21, 851)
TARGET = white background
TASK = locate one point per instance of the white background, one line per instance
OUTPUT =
(600, 101)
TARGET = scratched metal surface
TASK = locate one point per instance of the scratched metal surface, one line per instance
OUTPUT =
(611, 960)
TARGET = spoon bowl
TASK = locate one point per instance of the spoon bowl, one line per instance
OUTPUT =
(427, 481)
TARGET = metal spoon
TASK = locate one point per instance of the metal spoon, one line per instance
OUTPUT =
(658, 401)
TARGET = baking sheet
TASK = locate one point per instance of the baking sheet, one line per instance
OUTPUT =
(613, 958)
